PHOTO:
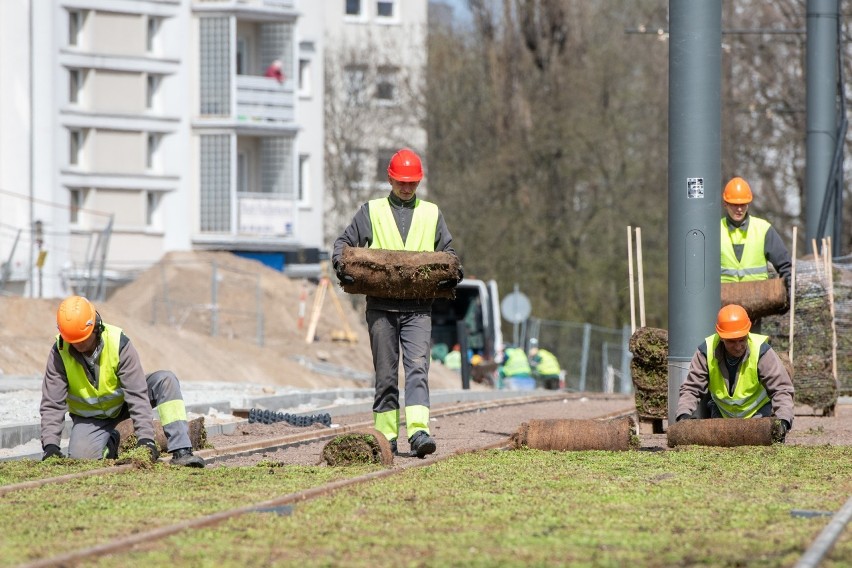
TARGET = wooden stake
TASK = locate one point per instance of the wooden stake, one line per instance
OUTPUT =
(630, 278)
(793, 296)
(829, 271)
(641, 280)
(816, 258)
(316, 310)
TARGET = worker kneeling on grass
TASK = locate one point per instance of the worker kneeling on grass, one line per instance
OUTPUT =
(742, 373)
(94, 373)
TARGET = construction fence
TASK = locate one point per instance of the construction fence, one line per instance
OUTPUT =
(206, 297)
(593, 358)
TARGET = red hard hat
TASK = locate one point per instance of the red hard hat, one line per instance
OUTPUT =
(405, 166)
(75, 319)
(732, 322)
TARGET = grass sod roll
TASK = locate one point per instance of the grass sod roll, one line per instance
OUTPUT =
(649, 371)
(358, 448)
(573, 434)
(760, 298)
(398, 274)
(725, 432)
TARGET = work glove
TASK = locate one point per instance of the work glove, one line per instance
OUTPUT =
(344, 278)
(684, 417)
(785, 427)
(151, 445)
(448, 284)
(52, 451)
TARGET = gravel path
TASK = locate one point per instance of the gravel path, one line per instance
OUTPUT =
(464, 432)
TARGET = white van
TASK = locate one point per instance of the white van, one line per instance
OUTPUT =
(472, 321)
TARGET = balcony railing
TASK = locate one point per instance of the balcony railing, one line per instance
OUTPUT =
(263, 99)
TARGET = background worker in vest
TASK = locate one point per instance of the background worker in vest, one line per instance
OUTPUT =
(400, 221)
(545, 366)
(742, 373)
(515, 372)
(748, 242)
(94, 373)
(453, 359)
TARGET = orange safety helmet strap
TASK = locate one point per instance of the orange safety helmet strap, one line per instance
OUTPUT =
(732, 322)
(737, 191)
(405, 165)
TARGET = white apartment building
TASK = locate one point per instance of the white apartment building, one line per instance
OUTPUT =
(130, 128)
(376, 52)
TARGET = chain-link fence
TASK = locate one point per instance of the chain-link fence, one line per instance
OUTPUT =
(593, 358)
(232, 306)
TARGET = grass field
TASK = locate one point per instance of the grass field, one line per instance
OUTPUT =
(698, 506)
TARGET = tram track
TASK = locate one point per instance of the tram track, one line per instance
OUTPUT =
(123, 544)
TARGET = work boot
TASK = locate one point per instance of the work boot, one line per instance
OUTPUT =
(422, 444)
(185, 457)
(393, 447)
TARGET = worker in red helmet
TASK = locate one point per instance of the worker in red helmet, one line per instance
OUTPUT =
(94, 374)
(742, 373)
(749, 242)
(400, 221)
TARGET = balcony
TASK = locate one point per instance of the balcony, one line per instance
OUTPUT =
(264, 100)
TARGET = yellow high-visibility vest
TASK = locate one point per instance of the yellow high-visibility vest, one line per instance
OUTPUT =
(752, 265)
(749, 395)
(421, 235)
(83, 398)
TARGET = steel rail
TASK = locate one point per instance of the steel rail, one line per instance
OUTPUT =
(823, 544)
(213, 455)
(125, 543)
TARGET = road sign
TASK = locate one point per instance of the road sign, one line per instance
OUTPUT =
(516, 307)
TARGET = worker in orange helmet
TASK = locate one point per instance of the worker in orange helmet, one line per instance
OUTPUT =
(400, 221)
(748, 242)
(94, 373)
(743, 374)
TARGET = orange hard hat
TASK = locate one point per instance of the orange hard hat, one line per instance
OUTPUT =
(75, 319)
(737, 191)
(405, 165)
(732, 322)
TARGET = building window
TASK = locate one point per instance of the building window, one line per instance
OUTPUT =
(76, 139)
(152, 39)
(304, 177)
(383, 158)
(304, 77)
(153, 87)
(75, 84)
(355, 162)
(75, 26)
(152, 208)
(386, 84)
(354, 8)
(242, 56)
(75, 204)
(153, 152)
(242, 173)
(386, 9)
(355, 79)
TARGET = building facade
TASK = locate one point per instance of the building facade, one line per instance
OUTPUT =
(130, 128)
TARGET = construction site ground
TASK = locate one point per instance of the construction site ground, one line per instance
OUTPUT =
(461, 432)
(260, 342)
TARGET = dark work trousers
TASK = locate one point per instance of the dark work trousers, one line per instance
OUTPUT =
(89, 436)
(389, 331)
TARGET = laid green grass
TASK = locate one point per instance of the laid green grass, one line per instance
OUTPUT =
(698, 506)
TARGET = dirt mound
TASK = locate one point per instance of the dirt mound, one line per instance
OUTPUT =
(171, 311)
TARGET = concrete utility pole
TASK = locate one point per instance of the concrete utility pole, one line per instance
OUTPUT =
(695, 171)
(821, 73)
